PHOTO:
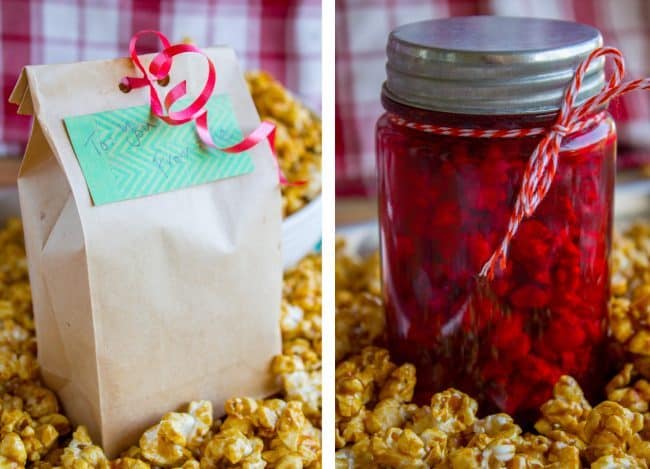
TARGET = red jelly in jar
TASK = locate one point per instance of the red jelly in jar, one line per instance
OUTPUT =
(445, 203)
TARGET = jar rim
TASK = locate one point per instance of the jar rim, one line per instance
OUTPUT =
(474, 65)
(472, 120)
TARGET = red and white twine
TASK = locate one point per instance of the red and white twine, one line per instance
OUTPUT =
(542, 165)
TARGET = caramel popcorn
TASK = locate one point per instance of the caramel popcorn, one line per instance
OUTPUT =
(399, 449)
(254, 416)
(359, 312)
(130, 463)
(609, 429)
(38, 401)
(298, 369)
(452, 411)
(463, 458)
(297, 138)
(387, 413)
(12, 451)
(358, 378)
(17, 341)
(29, 412)
(400, 384)
(562, 456)
(296, 438)
(266, 433)
(377, 430)
(357, 456)
(170, 442)
(534, 451)
(629, 315)
(617, 462)
(634, 396)
(447, 434)
(498, 426)
(233, 447)
(564, 416)
(82, 454)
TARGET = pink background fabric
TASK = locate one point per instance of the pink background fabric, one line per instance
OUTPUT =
(362, 28)
(281, 37)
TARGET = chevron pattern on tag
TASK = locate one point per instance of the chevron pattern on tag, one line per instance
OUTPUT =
(129, 153)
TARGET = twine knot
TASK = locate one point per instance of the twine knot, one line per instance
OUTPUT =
(560, 129)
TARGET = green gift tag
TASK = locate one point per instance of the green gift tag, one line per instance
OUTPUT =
(129, 153)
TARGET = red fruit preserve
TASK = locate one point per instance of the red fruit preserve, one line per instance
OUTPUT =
(445, 202)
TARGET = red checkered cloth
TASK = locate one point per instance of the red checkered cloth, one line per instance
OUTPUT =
(281, 37)
(362, 30)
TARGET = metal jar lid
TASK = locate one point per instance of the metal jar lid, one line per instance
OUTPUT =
(490, 64)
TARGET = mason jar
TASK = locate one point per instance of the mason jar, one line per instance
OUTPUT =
(445, 201)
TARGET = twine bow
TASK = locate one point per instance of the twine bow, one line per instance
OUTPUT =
(196, 111)
(542, 165)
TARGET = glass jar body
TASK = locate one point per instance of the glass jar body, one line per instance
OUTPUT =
(444, 205)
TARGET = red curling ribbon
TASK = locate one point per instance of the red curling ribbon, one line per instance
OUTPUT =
(542, 164)
(196, 111)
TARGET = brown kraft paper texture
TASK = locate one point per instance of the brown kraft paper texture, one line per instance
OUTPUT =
(145, 304)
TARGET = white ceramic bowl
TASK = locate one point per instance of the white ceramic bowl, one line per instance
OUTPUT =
(301, 232)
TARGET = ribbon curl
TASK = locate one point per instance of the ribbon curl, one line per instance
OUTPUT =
(196, 111)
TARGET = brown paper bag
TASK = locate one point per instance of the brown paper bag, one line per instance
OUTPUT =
(146, 304)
